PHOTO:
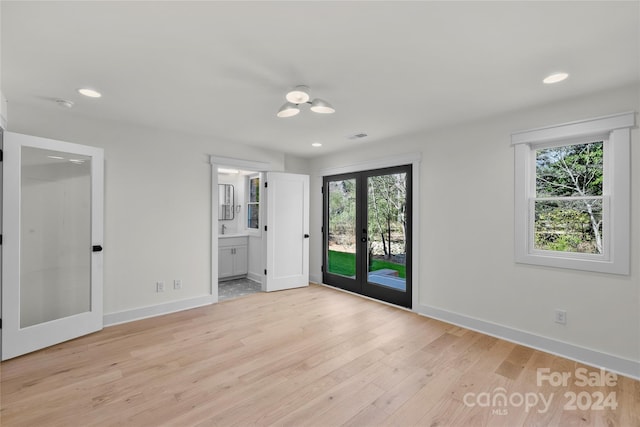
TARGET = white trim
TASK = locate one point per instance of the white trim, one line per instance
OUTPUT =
(598, 359)
(616, 190)
(217, 161)
(255, 277)
(315, 279)
(156, 310)
(595, 126)
(414, 160)
(3, 111)
(248, 165)
(253, 232)
(18, 340)
(399, 160)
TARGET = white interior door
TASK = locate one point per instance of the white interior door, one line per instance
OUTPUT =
(287, 236)
(52, 242)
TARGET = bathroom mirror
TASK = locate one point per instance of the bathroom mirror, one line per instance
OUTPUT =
(225, 202)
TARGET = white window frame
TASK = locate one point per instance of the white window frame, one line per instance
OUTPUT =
(253, 231)
(615, 132)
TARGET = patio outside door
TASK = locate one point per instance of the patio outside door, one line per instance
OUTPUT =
(367, 233)
(52, 236)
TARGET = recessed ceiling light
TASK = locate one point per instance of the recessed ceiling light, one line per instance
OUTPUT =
(555, 78)
(91, 93)
(316, 144)
(56, 157)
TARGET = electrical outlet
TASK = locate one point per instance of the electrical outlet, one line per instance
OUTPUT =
(159, 286)
(561, 317)
(177, 284)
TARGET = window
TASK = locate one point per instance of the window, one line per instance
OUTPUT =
(572, 195)
(568, 203)
(253, 204)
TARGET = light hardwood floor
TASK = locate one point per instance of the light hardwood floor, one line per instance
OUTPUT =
(311, 356)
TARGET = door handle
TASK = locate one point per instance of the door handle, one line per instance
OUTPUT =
(96, 248)
(306, 236)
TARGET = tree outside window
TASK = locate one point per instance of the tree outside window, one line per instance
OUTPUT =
(569, 198)
(572, 194)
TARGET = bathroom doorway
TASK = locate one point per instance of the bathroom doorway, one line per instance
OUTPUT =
(240, 246)
(272, 229)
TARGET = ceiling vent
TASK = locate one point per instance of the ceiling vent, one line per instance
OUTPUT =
(359, 135)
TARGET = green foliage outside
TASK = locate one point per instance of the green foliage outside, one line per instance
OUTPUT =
(573, 225)
(387, 216)
(344, 263)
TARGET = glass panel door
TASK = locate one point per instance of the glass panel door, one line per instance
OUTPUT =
(387, 230)
(52, 215)
(342, 227)
(367, 233)
(55, 235)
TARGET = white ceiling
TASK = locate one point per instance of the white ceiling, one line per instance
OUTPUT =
(221, 69)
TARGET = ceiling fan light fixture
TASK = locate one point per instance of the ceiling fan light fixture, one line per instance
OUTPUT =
(89, 92)
(320, 106)
(299, 95)
(288, 110)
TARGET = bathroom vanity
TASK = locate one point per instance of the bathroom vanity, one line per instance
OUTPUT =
(232, 256)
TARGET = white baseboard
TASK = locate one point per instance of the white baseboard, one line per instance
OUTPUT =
(315, 279)
(619, 365)
(255, 277)
(598, 359)
(156, 310)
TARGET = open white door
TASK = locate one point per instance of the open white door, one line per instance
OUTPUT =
(52, 216)
(287, 235)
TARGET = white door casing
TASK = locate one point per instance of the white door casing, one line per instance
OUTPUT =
(25, 333)
(287, 235)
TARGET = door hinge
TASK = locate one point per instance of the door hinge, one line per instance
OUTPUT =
(265, 228)
(322, 229)
(0, 239)
(265, 271)
(1, 155)
(0, 323)
(322, 189)
(265, 184)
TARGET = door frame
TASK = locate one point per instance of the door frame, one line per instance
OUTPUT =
(281, 234)
(360, 283)
(414, 159)
(221, 162)
(61, 329)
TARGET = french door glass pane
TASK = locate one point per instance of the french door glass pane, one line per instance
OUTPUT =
(341, 254)
(386, 230)
(55, 228)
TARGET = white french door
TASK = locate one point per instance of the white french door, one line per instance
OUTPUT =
(287, 235)
(52, 228)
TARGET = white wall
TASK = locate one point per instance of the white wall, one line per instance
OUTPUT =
(467, 268)
(3, 101)
(157, 202)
